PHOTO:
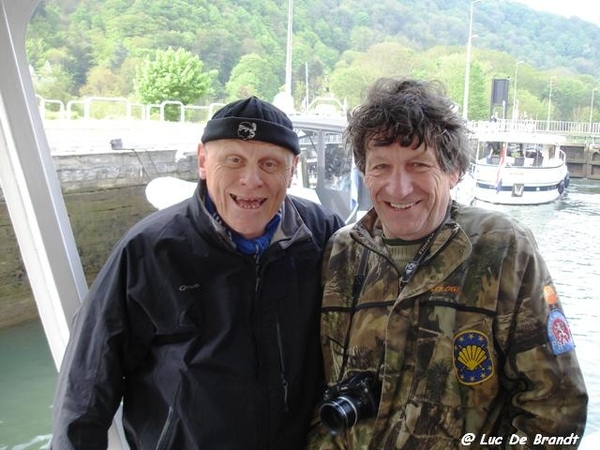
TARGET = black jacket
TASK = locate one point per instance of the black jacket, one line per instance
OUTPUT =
(207, 348)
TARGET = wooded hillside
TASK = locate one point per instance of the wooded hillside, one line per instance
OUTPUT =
(94, 47)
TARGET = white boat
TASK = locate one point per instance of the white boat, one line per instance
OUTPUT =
(464, 191)
(520, 168)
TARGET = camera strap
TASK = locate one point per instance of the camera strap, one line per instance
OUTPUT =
(359, 279)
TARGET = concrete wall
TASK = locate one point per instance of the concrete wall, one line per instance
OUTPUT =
(104, 194)
(576, 159)
(593, 168)
(114, 168)
(583, 160)
(98, 219)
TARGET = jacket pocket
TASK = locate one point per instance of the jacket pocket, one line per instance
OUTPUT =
(169, 429)
(354, 338)
(455, 359)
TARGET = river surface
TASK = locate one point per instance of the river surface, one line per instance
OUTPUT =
(568, 233)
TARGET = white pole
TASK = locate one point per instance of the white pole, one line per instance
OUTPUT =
(515, 90)
(288, 58)
(549, 105)
(306, 82)
(592, 110)
(465, 108)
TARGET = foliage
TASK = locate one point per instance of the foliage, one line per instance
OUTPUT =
(252, 77)
(102, 82)
(94, 47)
(52, 82)
(173, 75)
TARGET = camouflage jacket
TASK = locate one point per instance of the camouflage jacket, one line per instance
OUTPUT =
(475, 345)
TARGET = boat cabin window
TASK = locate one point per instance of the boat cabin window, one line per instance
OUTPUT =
(325, 166)
(338, 163)
(306, 171)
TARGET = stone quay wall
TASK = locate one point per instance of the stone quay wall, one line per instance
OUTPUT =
(104, 196)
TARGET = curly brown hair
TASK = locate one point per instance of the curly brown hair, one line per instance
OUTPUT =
(410, 112)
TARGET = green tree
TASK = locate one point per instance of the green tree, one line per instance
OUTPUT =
(53, 83)
(173, 75)
(350, 83)
(252, 76)
(101, 81)
(70, 42)
(479, 96)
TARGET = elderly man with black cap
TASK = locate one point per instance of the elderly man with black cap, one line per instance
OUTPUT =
(204, 320)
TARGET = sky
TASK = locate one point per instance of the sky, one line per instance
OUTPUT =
(588, 10)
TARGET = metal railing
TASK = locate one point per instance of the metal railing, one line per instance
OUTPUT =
(91, 123)
(98, 108)
(571, 130)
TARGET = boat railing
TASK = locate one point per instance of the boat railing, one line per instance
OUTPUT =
(565, 128)
(525, 162)
(562, 155)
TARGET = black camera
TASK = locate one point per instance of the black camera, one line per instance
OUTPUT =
(349, 401)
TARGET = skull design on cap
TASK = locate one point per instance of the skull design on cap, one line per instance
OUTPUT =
(246, 130)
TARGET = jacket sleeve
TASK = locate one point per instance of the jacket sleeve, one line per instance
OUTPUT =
(336, 271)
(546, 391)
(90, 382)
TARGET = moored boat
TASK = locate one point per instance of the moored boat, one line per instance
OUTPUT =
(520, 168)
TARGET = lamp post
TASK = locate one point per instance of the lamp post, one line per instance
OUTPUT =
(288, 53)
(468, 63)
(592, 109)
(515, 90)
(549, 104)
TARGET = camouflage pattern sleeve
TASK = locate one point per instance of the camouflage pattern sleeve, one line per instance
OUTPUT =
(334, 258)
(547, 396)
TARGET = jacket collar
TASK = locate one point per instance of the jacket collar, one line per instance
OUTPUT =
(291, 228)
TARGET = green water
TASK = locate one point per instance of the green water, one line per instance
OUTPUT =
(27, 379)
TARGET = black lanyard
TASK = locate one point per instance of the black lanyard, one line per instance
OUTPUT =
(413, 265)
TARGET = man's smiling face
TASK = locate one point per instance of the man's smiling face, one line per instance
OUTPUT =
(247, 181)
(409, 190)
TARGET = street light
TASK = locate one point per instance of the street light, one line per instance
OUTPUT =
(549, 104)
(288, 53)
(468, 63)
(592, 108)
(515, 90)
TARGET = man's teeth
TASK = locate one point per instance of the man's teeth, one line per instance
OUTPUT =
(248, 203)
(401, 205)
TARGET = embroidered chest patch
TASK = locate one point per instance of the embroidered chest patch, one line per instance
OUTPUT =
(472, 359)
(559, 334)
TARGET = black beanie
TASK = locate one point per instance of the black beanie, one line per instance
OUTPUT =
(252, 119)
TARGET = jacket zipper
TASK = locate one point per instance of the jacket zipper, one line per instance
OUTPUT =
(167, 431)
(284, 382)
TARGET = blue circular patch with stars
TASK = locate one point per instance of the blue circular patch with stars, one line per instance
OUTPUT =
(472, 359)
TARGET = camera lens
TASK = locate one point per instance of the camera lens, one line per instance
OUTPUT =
(338, 414)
